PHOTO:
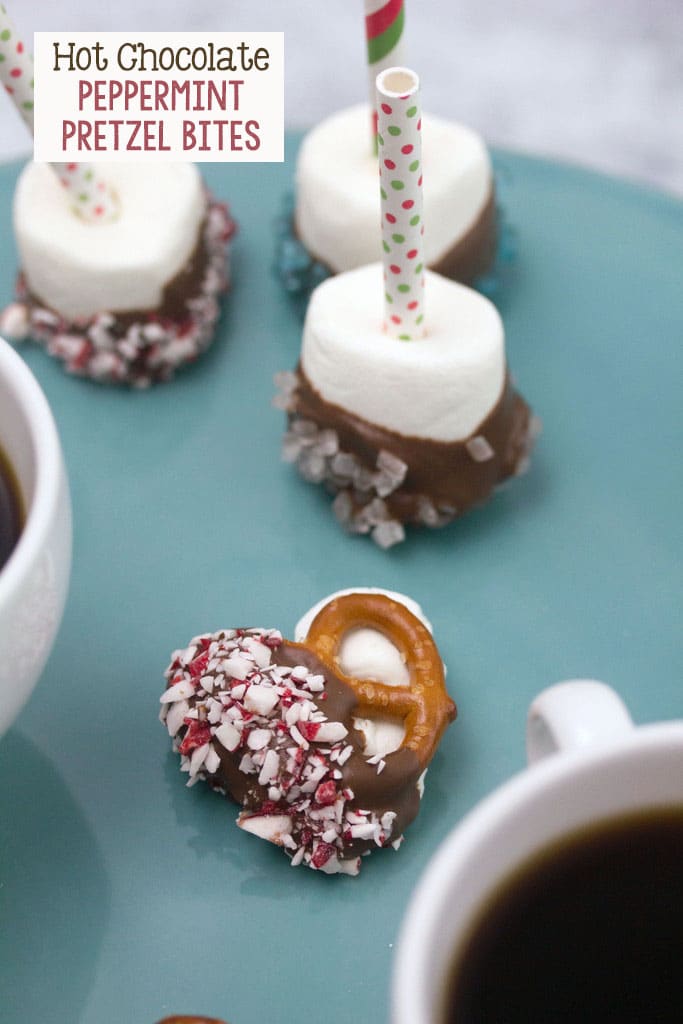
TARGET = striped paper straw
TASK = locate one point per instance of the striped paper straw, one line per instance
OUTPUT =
(90, 197)
(384, 33)
(400, 167)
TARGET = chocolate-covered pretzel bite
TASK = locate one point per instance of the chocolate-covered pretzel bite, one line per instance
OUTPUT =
(271, 723)
(184, 1019)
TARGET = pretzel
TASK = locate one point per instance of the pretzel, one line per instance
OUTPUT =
(271, 724)
(424, 705)
(183, 1019)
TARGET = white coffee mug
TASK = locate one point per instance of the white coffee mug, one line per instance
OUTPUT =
(587, 762)
(34, 580)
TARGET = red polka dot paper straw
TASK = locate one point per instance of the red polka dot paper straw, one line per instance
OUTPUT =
(91, 198)
(384, 20)
(400, 173)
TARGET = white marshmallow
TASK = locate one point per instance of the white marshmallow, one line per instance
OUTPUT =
(440, 387)
(368, 654)
(337, 188)
(78, 268)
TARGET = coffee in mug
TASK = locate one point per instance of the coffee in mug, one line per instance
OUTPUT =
(11, 509)
(560, 896)
(589, 928)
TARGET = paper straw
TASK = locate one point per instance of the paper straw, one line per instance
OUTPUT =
(90, 197)
(384, 34)
(400, 168)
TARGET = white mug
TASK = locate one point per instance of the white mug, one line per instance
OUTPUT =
(34, 580)
(587, 762)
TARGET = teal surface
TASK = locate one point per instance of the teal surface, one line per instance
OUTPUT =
(125, 896)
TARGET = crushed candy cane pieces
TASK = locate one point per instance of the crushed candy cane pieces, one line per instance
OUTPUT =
(227, 697)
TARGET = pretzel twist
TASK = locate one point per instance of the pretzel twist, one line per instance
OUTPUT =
(424, 705)
(184, 1019)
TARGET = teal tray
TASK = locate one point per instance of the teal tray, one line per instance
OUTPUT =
(125, 896)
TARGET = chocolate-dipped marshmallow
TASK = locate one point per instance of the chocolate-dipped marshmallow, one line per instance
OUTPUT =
(337, 204)
(403, 433)
(129, 300)
(401, 401)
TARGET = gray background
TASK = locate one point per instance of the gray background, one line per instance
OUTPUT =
(598, 82)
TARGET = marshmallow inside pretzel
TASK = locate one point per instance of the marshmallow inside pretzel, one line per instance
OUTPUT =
(368, 654)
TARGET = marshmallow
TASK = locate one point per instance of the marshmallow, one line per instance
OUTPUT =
(440, 387)
(338, 204)
(368, 654)
(79, 269)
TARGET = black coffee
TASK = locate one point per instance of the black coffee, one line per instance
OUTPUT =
(591, 929)
(11, 514)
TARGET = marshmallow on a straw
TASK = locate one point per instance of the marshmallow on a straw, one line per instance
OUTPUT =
(400, 166)
(384, 34)
(90, 197)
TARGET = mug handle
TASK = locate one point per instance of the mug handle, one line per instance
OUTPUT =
(574, 715)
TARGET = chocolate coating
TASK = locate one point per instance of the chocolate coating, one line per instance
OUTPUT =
(470, 256)
(444, 473)
(474, 252)
(184, 1019)
(394, 789)
(184, 286)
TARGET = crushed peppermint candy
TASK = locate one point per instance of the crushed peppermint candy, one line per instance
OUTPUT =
(365, 494)
(228, 698)
(110, 349)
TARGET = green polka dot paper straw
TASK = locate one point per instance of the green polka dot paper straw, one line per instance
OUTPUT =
(91, 198)
(384, 21)
(16, 69)
(400, 173)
